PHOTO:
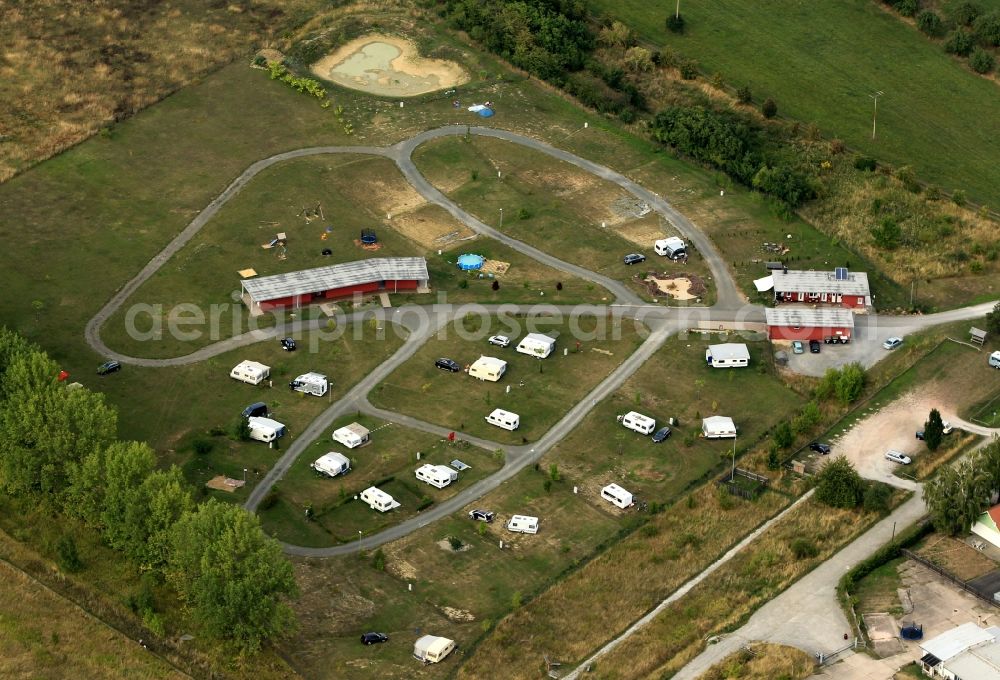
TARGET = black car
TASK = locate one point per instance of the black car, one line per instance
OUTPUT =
(374, 638)
(448, 365)
(109, 367)
(482, 515)
(821, 449)
(814, 346)
(288, 344)
(634, 258)
(258, 409)
(661, 434)
(920, 435)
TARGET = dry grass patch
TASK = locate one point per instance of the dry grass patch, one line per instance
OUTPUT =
(956, 556)
(763, 662)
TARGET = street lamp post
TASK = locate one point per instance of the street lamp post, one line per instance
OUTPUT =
(501, 218)
(732, 475)
(875, 96)
(244, 475)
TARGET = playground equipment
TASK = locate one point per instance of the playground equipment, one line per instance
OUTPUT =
(368, 237)
(470, 262)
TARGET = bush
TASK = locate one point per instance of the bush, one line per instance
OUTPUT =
(689, 69)
(241, 430)
(744, 95)
(866, 163)
(203, 446)
(930, 23)
(959, 42)
(987, 29)
(783, 436)
(981, 61)
(769, 108)
(839, 485)
(803, 548)
(907, 7)
(378, 560)
(675, 23)
(67, 556)
(887, 234)
(850, 383)
(425, 502)
(964, 13)
(877, 497)
(495, 285)
(455, 542)
(958, 197)
(268, 501)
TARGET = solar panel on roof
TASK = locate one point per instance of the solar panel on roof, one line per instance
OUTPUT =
(840, 273)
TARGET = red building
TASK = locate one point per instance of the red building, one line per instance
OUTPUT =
(839, 287)
(807, 323)
(295, 289)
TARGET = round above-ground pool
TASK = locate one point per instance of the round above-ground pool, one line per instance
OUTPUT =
(468, 262)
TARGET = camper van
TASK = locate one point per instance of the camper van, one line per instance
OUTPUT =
(431, 648)
(265, 429)
(250, 372)
(616, 495)
(673, 248)
(638, 422)
(995, 360)
(727, 355)
(315, 384)
(505, 419)
(439, 476)
(536, 345)
(352, 436)
(332, 464)
(718, 427)
(378, 499)
(522, 524)
(488, 368)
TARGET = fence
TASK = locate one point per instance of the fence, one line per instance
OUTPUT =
(964, 585)
(760, 484)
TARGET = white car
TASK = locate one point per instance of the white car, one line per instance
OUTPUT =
(499, 340)
(892, 343)
(897, 457)
(948, 428)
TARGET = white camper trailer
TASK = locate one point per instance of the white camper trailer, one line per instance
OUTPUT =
(432, 648)
(332, 464)
(718, 427)
(265, 429)
(673, 248)
(315, 384)
(505, 419)
(488, 368)
(523, 524)
(378, 499)
(616, 495)
(995, 359)
(250, 372)
(638, 422)
(537, 345)
(436, 475)
(352, 436)
(727, 355)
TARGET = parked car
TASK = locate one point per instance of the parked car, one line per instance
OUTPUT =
(661, 434)
(948, 429)
(374, 638)
(814, 346)
(109, 367)
(821, 449)
(897, 457)
(258, 409)
(892, 343)
(448, 365)
(288, 344)
(634, 258)
(482, 515)
(798, 347)
(499, 340)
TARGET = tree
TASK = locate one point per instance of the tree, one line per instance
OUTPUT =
(933, 430)
(960, 42)
(769, 108)
(744, 95)
(930, 23)
(783, 436)
(876, 497)
(993, 319)
(809, 416)
(850, 383)
(126, 467)
(495, 285)
(987, 29)
(839, 485)
(907, 7)
(887, 234)
(675, 23)
(616, 35)
(964, 13)
(981, 61)
(232, 576)
(241, 426)
(638, 59)
(164, 498)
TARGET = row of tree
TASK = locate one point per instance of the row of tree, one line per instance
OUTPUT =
(59, 447)
(959, 494)
(967, 30)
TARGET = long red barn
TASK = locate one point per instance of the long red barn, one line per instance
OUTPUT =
(806, 323)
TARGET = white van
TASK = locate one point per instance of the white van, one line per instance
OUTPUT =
(379, 500)
(251, 372)
(673, 248)
(505, 419)
(265, 429)
(638, 422)
(438, 476)
(616, 495)
(522, 524)
(995, 360)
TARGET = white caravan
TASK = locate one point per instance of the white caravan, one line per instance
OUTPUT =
(379, 500)
(488, 368)
(315, 384)
(536, 345)
(436, 475)
(727, 355)
(718, 427)
(332, 464)
(352, 436)
(523, 524)
(265, 429)
(505, 419)
(673, 248)
(616, 495)
(432, 648)
(638, 422)
(995, 359)
(250, 372)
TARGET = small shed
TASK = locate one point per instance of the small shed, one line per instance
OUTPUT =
(488, 368)
(432, 648)
(332, 464)
(977, 336)
(727, 355)
(718, 427)
(537, 345)
(352, 436)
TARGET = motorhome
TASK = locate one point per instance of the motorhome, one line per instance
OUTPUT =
(251, 372)
(672, 248)
(332, 464)
(523, 524)
(727, 355)
(505, 419)
(315, 384)
(432, 648)
(638, 422)
(536, 345)
(718, 427)
(616, 495)
(265, 429)
(352, 436)
(488, 368)
(379, 500)
(439, 476)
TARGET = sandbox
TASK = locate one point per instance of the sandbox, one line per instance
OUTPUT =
(387, 66)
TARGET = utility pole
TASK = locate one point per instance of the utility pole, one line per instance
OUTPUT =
(875, 114)
(677, 13)
(732, 475)
(501, 218)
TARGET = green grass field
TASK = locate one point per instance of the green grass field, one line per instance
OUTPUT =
(821, 62)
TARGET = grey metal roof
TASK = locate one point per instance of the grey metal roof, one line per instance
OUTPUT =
(807, 316)
(320, 279)
(798, 281)
(729, 350)
(953, 642)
